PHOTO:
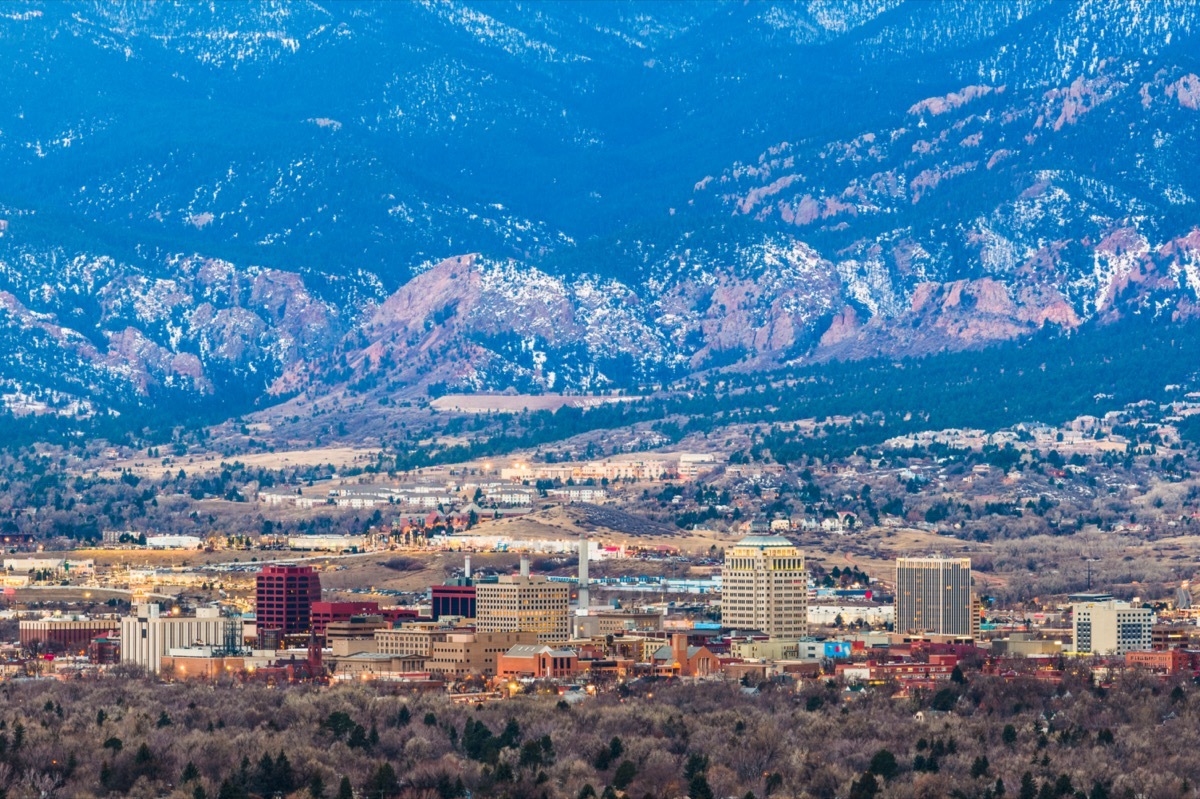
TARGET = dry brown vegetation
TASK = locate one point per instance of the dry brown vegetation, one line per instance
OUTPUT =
(129, 737)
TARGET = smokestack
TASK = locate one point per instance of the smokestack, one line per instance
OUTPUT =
(524, 565)
(467, 567)
(584, 593)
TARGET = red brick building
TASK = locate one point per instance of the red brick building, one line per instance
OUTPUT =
(1169, 661)
(105, 651)
(539, 661)
(325, 612)
(69, 634)
(284, 598)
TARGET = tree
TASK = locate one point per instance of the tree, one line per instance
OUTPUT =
(980, 767)
(883, 764)
(345, 791)
(698, 787)
(865, 787)
(383, 784)
(231, 790)
(624, 775)
(1009, 736)
(1028, 788)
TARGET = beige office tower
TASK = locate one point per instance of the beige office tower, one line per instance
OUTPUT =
(524, 604)
(764, 587)
(934, 597)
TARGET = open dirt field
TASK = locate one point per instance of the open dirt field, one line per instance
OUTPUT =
(502, 403)
(340, 457)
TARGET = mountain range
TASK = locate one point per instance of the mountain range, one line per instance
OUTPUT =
(246, 201)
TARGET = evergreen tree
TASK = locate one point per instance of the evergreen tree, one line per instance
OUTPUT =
(883, 764)
(624, 775)
(383, 783)
(865, 787)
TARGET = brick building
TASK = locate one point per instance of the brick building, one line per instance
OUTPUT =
(64, 633)
(284, 598)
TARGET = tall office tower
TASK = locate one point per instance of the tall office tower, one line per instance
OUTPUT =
(284, 598)
(584, 554)
(521, 603)
(764, 587)
(933, 596)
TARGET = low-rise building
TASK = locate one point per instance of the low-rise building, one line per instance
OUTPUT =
(465, 654)
(69, 633)
(679, 658)
(538, 661)
(1168, 661)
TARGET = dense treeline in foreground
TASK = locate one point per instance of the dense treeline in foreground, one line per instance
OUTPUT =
(985, 737)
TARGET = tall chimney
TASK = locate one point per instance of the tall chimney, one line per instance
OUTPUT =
(467, 567)
(584, 593)
(524, 565)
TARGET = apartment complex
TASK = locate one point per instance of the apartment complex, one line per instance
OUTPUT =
(524, 604)
(284, 598)
(147, 635)
(934, 597)
(764, 587)
(1110, 627)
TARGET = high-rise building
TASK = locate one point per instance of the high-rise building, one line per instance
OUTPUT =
(523, 603)
(934, 597)
(764, 587)
(285, 596)
(1111, 627)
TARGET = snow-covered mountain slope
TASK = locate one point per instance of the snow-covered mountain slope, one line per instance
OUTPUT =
(255, 199)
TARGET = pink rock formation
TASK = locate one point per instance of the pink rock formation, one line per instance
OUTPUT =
(1186, 90)
(940, 105)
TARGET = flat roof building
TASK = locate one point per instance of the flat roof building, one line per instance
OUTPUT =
(524, 604)
(1110, 627)
(284, 598)
(764, 587)
(934, 596)
(147, 635)
(64, 633)
(452, 600)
